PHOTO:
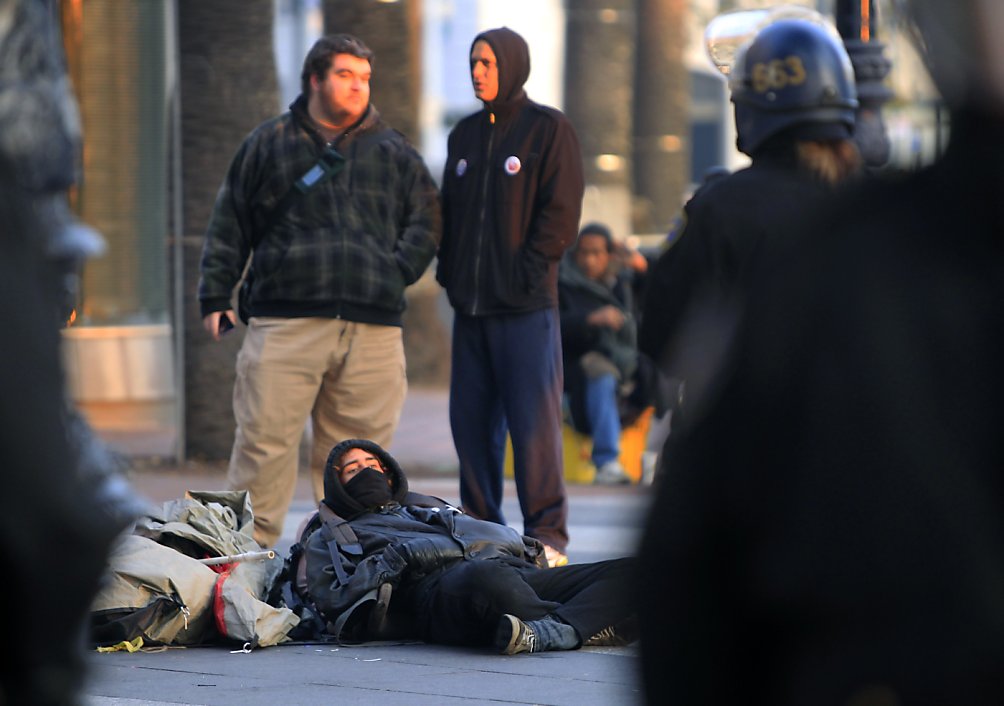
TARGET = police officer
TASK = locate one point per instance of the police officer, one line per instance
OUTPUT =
(794, 96)
(830, 531)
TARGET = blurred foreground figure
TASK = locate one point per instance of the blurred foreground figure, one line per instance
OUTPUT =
(62, 502)
(830, 527)
(53, 540)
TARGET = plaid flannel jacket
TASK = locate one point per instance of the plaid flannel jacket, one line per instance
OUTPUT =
(346, 248)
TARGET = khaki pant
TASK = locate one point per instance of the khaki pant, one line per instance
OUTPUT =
(349, 377)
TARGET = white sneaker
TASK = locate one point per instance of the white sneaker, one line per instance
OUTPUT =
(649, 462)
(611, 473)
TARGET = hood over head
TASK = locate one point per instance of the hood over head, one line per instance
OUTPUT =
(340, 501)
(512, 55)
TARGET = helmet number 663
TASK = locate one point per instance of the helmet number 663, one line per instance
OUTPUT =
(777, 74)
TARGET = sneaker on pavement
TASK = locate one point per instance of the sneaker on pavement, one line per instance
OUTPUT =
(611, 473)
(554, 557)
(513, 636)
(619, 635)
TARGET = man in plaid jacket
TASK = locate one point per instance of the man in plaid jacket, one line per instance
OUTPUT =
(338, 214)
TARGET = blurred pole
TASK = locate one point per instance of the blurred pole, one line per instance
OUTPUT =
(857, 22)
(661, 113)
(599, 90)
(177, 219)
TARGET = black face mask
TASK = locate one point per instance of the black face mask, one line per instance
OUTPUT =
(369, 488)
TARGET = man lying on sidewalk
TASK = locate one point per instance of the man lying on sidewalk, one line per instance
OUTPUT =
(389, 562)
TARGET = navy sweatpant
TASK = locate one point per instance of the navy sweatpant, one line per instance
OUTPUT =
(506, 373)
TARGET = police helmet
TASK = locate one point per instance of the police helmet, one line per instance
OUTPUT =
(793, 72)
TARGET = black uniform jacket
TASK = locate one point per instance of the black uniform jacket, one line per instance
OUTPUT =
(832, 530)
(727, 222)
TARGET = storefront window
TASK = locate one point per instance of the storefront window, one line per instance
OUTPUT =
(116, 58)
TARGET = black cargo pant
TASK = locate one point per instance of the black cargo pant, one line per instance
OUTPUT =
(463, 603)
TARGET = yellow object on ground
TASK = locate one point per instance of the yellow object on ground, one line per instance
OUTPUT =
(134, 645)
(578, 450)
(634, 440)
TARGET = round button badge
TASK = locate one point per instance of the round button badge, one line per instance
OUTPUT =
(461, 167)
(512, 165)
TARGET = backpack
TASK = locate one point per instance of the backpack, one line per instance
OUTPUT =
(353, 626)
(369, 618)
(291, 588)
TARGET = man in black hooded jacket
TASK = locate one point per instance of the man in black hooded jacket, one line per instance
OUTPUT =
(511, 200)
(453, 578)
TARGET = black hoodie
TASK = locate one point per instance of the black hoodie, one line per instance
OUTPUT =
(512, 195)
(348, 507)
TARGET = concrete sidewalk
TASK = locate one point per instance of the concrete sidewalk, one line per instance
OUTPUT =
(377, 673)
(604, 523)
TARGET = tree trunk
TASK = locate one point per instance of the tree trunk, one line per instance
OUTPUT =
(228, 86)
(598, 101)
(662, 99)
